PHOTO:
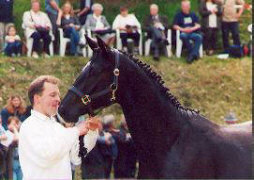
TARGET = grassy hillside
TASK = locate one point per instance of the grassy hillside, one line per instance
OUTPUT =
(212, 86)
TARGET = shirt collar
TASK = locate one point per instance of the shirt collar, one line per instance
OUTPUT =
(40, 115)
(96, 17)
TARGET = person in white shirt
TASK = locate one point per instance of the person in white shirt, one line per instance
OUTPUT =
(128, 26)
(37, 26)
(46, 147)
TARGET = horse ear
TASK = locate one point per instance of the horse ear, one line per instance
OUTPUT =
(93, 45)
(102, 45)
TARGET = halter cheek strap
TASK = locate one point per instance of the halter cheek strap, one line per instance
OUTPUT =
(86, 99)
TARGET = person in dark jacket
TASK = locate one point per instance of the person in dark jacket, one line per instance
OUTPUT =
(71, 26)
(109, 148)
(125, 163)
(211, 13)
(6, 19)
(156, 26)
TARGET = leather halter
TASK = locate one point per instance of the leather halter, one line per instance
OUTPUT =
(87, 99)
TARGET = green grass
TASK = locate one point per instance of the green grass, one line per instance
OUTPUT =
(212, 86)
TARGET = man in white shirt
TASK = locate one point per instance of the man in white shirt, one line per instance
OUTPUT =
(46, 147)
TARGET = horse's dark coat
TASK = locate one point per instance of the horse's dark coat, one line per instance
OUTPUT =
(172, 141)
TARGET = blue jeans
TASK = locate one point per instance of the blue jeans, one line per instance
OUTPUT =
(13, 48)
(197, 41)
(71, 33)
(17, 174)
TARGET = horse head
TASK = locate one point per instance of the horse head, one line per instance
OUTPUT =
(95, 87)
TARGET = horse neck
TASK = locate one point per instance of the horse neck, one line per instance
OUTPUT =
(153, 120)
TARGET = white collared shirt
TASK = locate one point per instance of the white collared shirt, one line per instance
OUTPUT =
(44, 148)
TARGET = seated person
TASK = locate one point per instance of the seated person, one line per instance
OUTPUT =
(156, 26)
(37, 26)
(70, 25)
(128, 26)
(187, 23)
(98, 24)
(13, 42)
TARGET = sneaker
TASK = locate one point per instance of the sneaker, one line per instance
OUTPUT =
(125, 49)
(35, 55)
(13, 55)
(136, 51)
(190, 59)
(18, 55)
(46, 55)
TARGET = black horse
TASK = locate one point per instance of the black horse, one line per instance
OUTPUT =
(172, 141)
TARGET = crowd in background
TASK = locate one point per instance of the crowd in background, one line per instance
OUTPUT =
(216, 15)
(114, 148)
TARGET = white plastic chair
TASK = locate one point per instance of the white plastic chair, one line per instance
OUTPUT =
(29, 45)
(89, 50)
(65, 40)
(119, 45)
(168, 47)
(179, 46)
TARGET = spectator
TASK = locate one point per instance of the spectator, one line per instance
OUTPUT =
(187, 23)
(98, 24)
(15, 107)
(52, 9)
(125, 163)
(3, 150)
(47, 148)
(13, 42)
(128, 26)
(13, 165)
(211, 20)
(93, 165)
(156, 27)
(71, 26)
(230, 21)
(85, 10)
(109, 147)
(6, 19)
(37, 26)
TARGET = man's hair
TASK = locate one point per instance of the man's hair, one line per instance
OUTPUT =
(13, 118)
(35, 1)
(37, 86)
(97, 5)
(123, 8)
(154, 6)
(185, 1)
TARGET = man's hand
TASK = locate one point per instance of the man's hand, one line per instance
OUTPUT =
(83, 128)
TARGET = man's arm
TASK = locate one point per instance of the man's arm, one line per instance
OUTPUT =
(240, 2)
(54, 5)
(85, 9)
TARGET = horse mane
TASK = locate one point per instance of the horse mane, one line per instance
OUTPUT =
(157, 79)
